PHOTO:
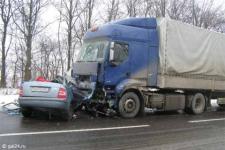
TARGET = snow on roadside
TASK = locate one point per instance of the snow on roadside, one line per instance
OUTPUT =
(6, 99)
(8, 91)
(8, 96)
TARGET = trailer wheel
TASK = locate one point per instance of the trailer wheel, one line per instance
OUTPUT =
(198, 104)
(129, 105)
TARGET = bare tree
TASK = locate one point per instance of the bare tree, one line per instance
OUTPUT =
(45, 57)
(70, 11)
(16, 62)
(159, 7)
(207, 15)
(90, 7)
(147, 8)
(58, 37)
(112, 10)
(6, 14)
(84, 21)
(179, 9)
(70, 17)
(75, 18)
(49, 58)
(132, 7)
(15, 67)
(163, 7)
(26, 20)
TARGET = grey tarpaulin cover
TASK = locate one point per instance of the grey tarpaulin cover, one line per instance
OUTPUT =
(189, 51)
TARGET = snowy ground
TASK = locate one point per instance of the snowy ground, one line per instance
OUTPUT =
(9, 91)
(8, 96)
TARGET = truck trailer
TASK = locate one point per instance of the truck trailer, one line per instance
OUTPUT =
(158, 63)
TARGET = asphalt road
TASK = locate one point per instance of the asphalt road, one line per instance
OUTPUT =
(156, 131)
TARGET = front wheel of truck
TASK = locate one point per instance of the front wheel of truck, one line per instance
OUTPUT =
(129, 105)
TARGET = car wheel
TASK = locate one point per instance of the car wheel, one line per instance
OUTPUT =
(129, 105)
(26, 112)
(198, 104)
(68, 115)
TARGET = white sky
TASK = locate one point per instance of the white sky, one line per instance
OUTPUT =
(51, 14)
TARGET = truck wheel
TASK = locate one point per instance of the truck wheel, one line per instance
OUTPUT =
(198, 104)
(129, 105)
(26, 112)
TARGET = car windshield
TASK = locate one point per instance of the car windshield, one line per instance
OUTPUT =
(93, 51)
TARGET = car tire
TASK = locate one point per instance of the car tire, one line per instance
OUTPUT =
(26, 112)
(198, 104)
(129, 105)
(68, 115)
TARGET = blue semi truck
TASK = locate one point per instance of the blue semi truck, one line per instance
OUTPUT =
(133, 63)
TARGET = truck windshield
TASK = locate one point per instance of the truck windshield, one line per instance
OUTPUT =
(93, 51)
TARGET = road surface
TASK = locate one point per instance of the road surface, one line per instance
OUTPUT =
(154, 131)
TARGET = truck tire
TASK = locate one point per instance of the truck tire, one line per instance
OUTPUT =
(26, 112)
(129, 105)
(198, 104)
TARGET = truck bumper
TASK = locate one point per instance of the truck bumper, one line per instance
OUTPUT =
(46, 103)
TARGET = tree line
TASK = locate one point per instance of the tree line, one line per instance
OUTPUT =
(27, 47)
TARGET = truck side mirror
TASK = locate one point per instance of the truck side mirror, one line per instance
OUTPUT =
(112, 60)
(111, 55)
(111, 52)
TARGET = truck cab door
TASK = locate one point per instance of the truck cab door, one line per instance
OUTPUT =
(118, 68)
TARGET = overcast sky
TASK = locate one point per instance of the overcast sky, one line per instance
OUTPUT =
(50, 15)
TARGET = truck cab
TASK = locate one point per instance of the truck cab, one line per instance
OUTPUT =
(116, 58)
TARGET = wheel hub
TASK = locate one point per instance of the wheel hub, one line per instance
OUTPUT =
(129, 105)
(198, 104)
